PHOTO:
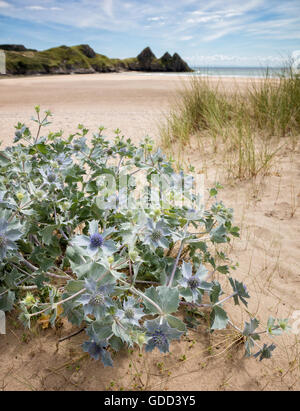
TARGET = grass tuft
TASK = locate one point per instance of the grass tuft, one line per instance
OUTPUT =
(244, 124)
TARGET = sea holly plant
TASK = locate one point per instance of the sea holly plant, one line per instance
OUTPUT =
(109, 235)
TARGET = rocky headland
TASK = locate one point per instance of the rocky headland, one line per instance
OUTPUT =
(83, 59)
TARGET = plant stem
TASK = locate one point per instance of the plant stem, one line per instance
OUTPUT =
(225, 299)
(130, 271)
(143, 296)
(178, 256)
(19, 209)
(238, 329)
(33, 268)
(194, 304)
(72, 335)
(59, 303)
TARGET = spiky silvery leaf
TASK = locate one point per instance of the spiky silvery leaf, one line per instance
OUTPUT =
(251, 327)
(8, 235)
(265, 352)
(241, 292)
(97, 349)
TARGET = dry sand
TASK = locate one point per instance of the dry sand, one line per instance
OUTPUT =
(268, 252)
(134, 103)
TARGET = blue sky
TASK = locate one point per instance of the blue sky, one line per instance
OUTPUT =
(209, 32)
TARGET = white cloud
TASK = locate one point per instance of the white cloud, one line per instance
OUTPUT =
(156, 18)
(203, 19)
(4, 4)
(186, 38)
(36, 8)
(259, 19)
(108, 6)
(231, 60)
(42, 8)
(165, 22)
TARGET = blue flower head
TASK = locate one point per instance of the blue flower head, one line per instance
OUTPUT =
(193, 283)
(96, 241)
(79, 145)
(50, 177)
(156, 235)
(62, 160)
(131, 313)
(96, 300)
(160, 334)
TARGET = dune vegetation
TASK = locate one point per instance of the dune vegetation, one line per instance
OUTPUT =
(242, 124)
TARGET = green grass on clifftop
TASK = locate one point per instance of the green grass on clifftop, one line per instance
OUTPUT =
(82, 59)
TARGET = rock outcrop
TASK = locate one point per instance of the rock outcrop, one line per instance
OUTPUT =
(147, 61)
(87, 51)
(14, 47)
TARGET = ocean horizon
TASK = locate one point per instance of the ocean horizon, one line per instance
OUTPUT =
(239, 72)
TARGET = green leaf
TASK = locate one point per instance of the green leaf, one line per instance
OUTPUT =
(265, 352)
(75, 255)
(74, 313)
(175, 322)
(102, 329)
(47, 234)
(153, 295)
(166, 298)
(249, 328)
(213, 192)
(42, 148)
(219, 318)
(74, 286)
(169, 299)
(40, 279)
(121, 332)
(3, 159)
(116, 343)
(93, 227)
(224, 269)
(218, 235)
(7, 301)
(215, 292)
(241, 292)
(93, 269)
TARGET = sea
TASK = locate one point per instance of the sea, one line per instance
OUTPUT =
(253, 72)
(239, 71)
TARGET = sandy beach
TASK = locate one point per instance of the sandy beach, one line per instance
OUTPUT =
(134, 103)
(267, 210)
